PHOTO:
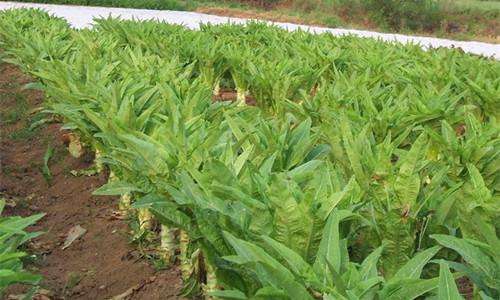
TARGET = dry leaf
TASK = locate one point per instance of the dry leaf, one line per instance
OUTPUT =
(73, 234)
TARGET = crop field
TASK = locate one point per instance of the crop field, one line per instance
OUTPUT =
(281, 165)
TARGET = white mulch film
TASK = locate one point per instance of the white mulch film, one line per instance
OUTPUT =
(82, 16)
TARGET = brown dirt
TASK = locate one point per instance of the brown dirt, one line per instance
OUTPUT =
(270, 15)
(227, 94)
(102, 263)
(465, 287)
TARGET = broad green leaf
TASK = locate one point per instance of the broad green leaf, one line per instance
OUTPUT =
(304, 171)
(413, 268)
(368, 267)
(228, 294)
(147, 201)
(471, 254)
(330, 251)
(115, 188)
(9, 256)
(270, 293)
(407, 184)
(16, 225)
(8, 277)
(272, 270)
(410, 288)
(447, 289)
(295, 262)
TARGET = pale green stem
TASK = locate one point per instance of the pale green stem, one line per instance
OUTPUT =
(167, 245)
(216, 90)
(125, 201)
(241, 96)
(211, 285)
(185, 259)
(97, 161)
(145, 218)
(112, 176)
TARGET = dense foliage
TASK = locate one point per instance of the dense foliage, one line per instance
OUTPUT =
(364, 170)
(412, 14)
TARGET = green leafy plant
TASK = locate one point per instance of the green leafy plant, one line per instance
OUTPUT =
(482, 261)
(12, 237)
(49, 153)
(344, 168)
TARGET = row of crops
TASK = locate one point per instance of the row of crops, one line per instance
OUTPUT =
(342, 168)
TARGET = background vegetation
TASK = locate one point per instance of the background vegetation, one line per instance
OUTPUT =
(459, 19)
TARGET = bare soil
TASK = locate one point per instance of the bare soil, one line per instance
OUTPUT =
(102, 263)
(227, 94)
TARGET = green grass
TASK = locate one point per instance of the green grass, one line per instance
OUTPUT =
(149, 4)
(475, 5)
(19, 113)
(12, 116)
(27, 131)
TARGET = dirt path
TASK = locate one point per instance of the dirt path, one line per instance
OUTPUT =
(102, 263)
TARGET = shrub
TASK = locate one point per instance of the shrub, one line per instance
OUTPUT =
(412, 14)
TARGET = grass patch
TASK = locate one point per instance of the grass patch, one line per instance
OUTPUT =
(20, 108)
(149, 4)
(486, 6)
(44, 168)
(14, 109)
(27, 131)
(17, 112)
(8, 169)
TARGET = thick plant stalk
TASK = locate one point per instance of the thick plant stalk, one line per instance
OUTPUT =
(97, 161)
(145, 218)
(125, 199)
(211, 285)
(185, 258)
(124, 203)
(241, 96)
(216, 90)
(112, 176)
(167, 244)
